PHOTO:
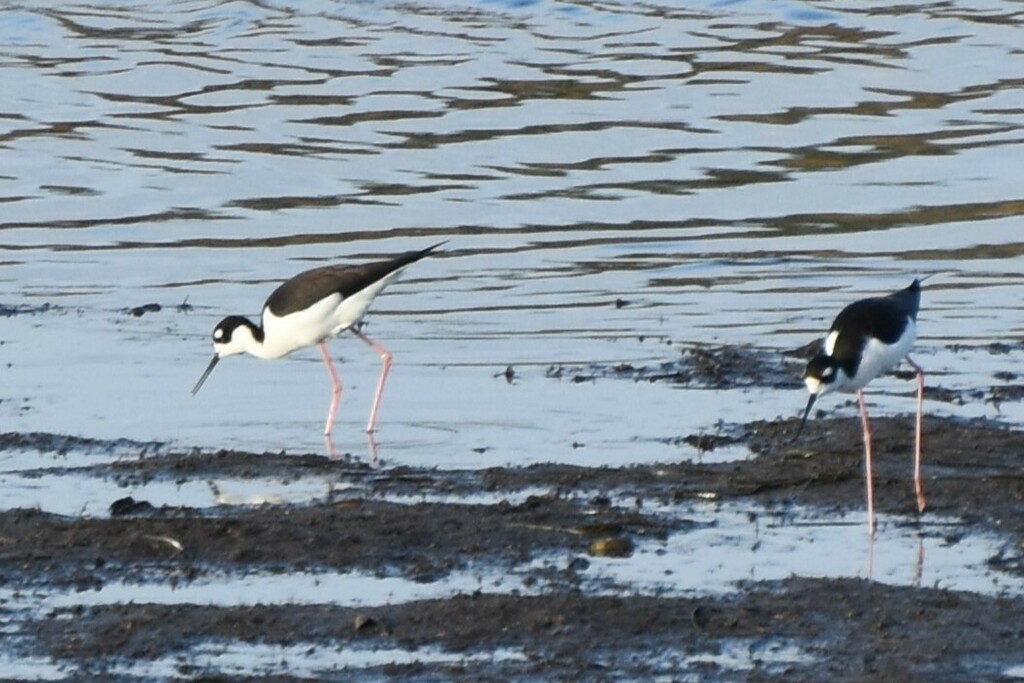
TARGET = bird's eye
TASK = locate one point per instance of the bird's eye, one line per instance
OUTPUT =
(828, 372)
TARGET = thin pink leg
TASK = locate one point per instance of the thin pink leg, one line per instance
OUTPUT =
(385, 359)
(335, 389)
(867, 462)
(918, 488)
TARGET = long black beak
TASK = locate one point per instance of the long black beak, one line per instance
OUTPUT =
(209, 369)
(807, 411)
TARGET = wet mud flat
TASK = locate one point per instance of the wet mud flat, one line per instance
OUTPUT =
(532, 537)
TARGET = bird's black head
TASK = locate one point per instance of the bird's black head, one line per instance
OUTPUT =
(820, 376)
(224, 333)
(233, 335)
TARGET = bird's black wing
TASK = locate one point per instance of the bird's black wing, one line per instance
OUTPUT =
(880, 318)
(305, 289)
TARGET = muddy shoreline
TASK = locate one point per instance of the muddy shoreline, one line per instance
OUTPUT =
(415, 524)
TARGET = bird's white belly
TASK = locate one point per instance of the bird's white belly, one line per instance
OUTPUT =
(326, 318)
(308, 327)
(878, 358)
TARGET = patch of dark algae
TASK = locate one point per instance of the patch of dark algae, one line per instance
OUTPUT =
(554, 626)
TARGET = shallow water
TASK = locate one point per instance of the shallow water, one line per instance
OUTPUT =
(733, 172)
(730, 544)
(745, 544)
(313, 661)
(736, 172)
(302, 660)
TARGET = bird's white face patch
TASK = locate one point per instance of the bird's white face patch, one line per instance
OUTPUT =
(228, 341)
(813, 384)
(828, 372)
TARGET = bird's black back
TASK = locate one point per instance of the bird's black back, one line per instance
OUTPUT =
(909, 299)
(305, 289)
(883, 318)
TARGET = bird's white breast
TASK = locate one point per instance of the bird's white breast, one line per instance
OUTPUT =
(878, 358)
(308, 327)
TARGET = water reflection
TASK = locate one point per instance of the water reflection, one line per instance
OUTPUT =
(731, 169)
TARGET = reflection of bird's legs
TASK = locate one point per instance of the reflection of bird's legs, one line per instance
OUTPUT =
(871, 556)
(919, 566)
(329, 445)
(372, 443)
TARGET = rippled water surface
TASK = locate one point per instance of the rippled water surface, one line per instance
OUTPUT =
(617, 181)
(733, 172)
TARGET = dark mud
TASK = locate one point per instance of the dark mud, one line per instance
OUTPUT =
(716, 367)
(854, 630)
(8, 311)
(735, 367)
(554, 626)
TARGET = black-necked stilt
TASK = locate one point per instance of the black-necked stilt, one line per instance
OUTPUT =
(309, 309)
(868, 338)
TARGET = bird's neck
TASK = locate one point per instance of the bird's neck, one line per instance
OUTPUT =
(251, 338)
(844, 381)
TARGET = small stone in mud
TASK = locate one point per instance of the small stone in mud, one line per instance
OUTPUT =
(129, 506)
(140, 311)
(615, 546)
(701, 616)
(554, 372)
(363, 622)
(705, 443)
(711, 618)
(578, 564)
(621, 303)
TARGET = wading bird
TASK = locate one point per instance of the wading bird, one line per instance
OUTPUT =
(869, 338)
(309, 309)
